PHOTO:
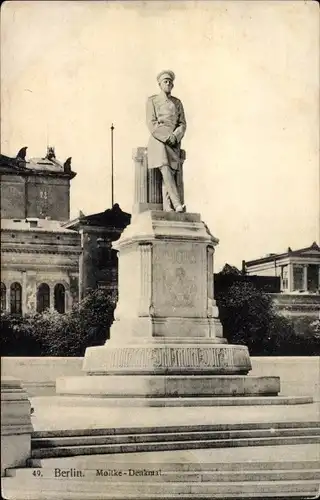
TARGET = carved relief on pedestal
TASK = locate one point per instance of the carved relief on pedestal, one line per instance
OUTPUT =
(180, 291)
(178, 282)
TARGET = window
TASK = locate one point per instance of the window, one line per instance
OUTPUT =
(59, 298)
(16, 298)
(43, 297)
(3, 297)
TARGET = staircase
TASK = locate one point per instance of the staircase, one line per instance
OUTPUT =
(83, 464)
(68, 443)
(250, 480)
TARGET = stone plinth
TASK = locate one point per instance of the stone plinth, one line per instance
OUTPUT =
(16, 425)
(167, 321)
(167, 340)
(149, 358)
(171, 386)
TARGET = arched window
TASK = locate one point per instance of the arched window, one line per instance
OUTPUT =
(59, 298)
(16, 298)
(43, 297)
(3, 297)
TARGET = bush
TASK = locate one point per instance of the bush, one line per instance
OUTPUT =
(249, 318)
(54, 334)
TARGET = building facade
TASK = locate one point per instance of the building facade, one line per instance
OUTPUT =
(299, 270)
(39, 257)
(98, 263)
(38, 187)
(299, 274)
(39, 266)
(48, 261)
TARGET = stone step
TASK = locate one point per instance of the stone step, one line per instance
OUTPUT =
(64, 451)
(79, 489)
(98, 461)
(182, 401)
(170, 436)
(175, 428)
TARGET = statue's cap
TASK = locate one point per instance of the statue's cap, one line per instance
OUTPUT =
(167, 73)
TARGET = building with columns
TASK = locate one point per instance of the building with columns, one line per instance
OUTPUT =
(98, 263)
(299, 273)
(299, 270)
(48, 261)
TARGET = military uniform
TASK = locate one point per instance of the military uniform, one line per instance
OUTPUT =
(165, 117)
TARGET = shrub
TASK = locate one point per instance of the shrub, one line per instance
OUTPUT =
(54, 334)
(249, 318)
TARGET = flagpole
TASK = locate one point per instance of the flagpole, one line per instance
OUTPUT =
(112, 176)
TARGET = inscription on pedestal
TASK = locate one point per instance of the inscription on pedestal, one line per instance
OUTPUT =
(175, 357)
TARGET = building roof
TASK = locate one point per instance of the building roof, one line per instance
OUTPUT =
(33, 224)
(112, 218)
(312, 250)
(49, 164)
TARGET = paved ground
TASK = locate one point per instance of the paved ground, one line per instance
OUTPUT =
(50, 417)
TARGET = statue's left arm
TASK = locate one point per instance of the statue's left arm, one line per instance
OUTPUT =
(180, 130)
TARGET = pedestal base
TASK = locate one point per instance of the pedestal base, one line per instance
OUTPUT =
(159, 386)
(158, 357)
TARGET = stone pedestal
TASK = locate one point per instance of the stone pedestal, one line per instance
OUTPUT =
(167, 339)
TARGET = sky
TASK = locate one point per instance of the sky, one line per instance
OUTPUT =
(247, 73)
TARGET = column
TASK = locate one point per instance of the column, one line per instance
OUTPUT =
(51, 285)
(31, 291)
(24, 305)
(154, 186)
(73, 289)
(180, 185)
(8, 298)
(290, 277)
(305, 277)
(140, 175)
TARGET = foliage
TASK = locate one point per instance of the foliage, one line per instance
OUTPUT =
(249, 318)
(54, 334)
(228, 269)
(247, 315)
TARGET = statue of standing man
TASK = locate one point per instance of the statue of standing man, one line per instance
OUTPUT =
(167, 125)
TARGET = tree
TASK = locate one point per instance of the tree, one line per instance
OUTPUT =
(249, 318)
(228, 269)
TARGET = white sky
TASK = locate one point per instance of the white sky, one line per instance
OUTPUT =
(247, 73)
